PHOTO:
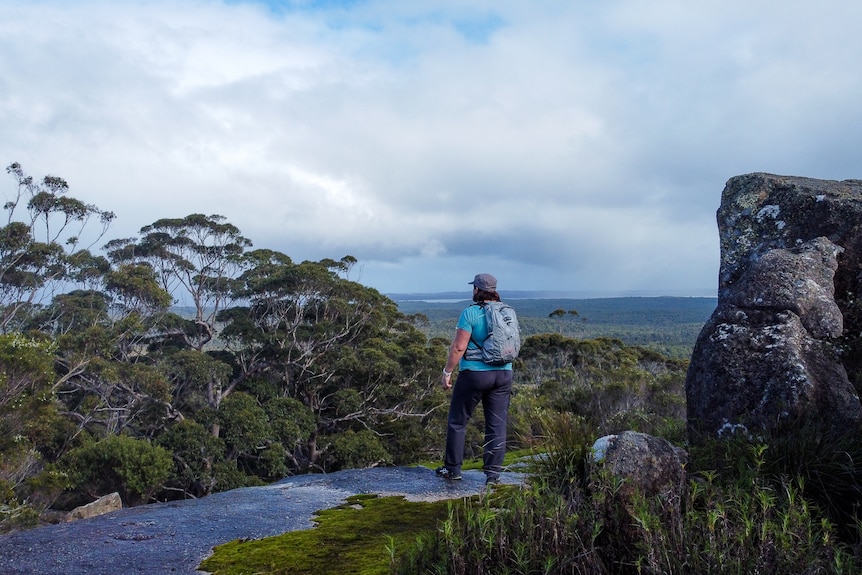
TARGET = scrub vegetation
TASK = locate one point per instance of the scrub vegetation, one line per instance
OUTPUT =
(746, 509)
(183, 361)
(787, 506)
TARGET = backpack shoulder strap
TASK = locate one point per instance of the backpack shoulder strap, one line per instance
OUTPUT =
(480, 304)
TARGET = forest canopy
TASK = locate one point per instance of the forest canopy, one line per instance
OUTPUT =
(279, 367)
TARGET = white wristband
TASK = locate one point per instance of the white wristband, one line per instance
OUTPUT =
(446, 373)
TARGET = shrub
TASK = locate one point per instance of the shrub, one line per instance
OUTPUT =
(825, 461)
(196, 452)
(134, 468)
(13, 513)
(351, 449)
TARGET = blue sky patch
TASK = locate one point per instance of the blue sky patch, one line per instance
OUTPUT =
(280, 6)
(479, 30)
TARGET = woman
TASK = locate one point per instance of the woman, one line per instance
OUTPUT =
(477, 381)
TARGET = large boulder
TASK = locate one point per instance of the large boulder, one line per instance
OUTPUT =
(791, 250)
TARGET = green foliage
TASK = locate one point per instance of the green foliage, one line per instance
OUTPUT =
(244, 424)
(39, 244)
(196, 454)
(411, 440)
(280, 367)
(340, 349)
(194, 378)
(350, 449)
(26, 397)
(134, 468)
(43, 489)
(249, 435)
(290, 421)
(228, 476)
(31, 427)
(514, 531)
(13, 513)
(199, 254)
(136, 288)
(560, 466)
(571, 517)
(361, 536)
(613, 387)
(825, 462)
(271, 463)
(26, 363)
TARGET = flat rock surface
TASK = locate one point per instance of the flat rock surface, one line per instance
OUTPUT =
(174, 537)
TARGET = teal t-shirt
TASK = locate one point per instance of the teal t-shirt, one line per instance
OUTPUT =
(472, 320)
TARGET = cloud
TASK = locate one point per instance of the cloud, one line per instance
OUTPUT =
(580, 145)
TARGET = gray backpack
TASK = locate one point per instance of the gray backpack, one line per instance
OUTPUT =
(504, 336)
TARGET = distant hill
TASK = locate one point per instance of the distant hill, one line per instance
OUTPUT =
(546, 294)
(668, 324)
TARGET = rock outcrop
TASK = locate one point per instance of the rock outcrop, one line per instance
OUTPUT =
(791, 255)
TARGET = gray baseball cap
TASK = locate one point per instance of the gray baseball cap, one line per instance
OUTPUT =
(485, 282)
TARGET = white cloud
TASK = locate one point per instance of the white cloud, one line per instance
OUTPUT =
(433, 249)
(574, 145)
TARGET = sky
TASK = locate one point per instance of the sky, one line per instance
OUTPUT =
(576, 146)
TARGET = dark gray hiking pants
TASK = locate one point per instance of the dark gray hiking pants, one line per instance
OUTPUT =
(494, 390)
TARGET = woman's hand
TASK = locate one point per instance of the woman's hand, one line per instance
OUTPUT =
(446, 379)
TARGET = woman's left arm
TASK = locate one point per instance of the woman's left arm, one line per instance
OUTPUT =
(456, 352)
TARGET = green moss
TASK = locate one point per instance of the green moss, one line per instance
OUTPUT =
(512, 457)
(353, 538)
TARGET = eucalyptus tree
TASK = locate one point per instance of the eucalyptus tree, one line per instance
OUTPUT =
(199, 465)
(196, 259)
(46, 234)
(103, 376)
(341, 349)
(26, 377)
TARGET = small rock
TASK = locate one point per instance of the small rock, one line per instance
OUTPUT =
(650, 465)
(102, 505)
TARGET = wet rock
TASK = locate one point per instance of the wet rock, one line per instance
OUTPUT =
(175, 537)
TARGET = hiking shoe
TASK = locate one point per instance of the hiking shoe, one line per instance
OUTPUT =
(446, 473)
(492, 480)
